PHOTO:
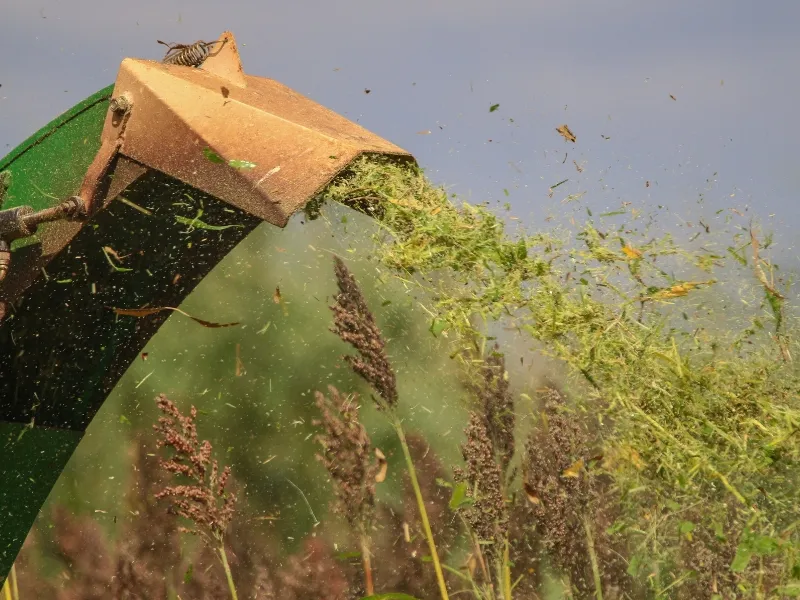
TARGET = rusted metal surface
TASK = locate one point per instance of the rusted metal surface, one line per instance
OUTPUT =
(190, 123)
(224, 62)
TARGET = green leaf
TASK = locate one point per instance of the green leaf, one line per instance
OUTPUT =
(739, 257)
(117, 268)
(459, 497)
(613, 213)
(494, 107)
(212, 156)
(792, 590)
(124, 419)
(187, 576)
(776, 304)
(763, 545)
(198, 224)
(241, 164)
(615, 527)
(390, 596)
(635, 566)
(743, 555)
(437, 327)
(686, 527)
(522, 250)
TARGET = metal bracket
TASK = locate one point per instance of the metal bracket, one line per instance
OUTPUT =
(23, 221)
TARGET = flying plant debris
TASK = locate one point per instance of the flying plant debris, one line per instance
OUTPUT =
(383, 466)
(109, 252)
(759, 271)
(574, 470)
(196, 223)
(146, 312)
(530, 492)
(239, 364)
(632, 252)
(552, 187)
(774, 297)
(236, 163)
(675, 291)
(277, 298)
(673, 97)
(566, 133)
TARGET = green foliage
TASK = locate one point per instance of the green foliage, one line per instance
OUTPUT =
(695, 407)
(235, 163)
(459, 499)
(212, 156)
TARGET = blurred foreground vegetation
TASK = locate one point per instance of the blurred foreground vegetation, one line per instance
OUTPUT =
(652, 381)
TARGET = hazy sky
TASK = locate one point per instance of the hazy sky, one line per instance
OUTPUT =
(604, 67)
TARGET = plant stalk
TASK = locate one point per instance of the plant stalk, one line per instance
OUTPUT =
(224, 557)
(598, 584)
(478, 553)
(423, 513)
(14, 586)
(506, 573)
(366, 560)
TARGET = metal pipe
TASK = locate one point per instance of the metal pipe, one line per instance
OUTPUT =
(22, 221)
(73, 207)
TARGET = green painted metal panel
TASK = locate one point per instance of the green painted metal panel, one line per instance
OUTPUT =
(33, 458)
(49, 166)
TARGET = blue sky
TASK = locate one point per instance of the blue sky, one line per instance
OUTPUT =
(606, 68)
